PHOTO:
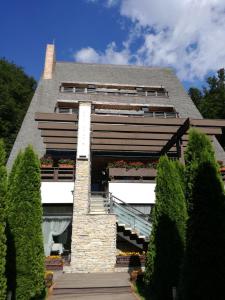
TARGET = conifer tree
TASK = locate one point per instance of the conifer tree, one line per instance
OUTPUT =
(199, 149)
(204, 271)
(10, 207)
(3, 188)
(167, 241)
(25, 223)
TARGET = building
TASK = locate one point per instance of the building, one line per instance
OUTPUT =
(102, 117)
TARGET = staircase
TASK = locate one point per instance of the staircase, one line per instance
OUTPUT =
(99, 203)
(132, 225)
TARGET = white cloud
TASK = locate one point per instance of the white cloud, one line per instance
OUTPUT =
(188, 35)
(110, 56)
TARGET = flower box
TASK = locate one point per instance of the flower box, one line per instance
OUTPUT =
(66, 166)
(123, 172)
(53, 263)
(46, 166)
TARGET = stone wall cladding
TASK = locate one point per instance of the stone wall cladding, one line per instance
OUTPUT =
(82, 187)
(94, 240)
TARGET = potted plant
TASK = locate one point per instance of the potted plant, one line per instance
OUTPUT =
(66, 163)
(123, 168)
(46, 161)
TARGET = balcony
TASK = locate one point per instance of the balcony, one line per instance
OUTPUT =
(58, 174)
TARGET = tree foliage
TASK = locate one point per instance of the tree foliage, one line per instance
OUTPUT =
(16, 91)
(199, 149)
(25, 218)
(204, 272)
(167, 241)
(211, 100)
(10, 206)
(3, 188)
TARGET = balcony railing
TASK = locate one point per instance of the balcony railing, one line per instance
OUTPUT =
(113, 92)
(57, 174)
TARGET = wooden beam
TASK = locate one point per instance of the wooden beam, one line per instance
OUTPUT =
(59, 140)
(208, 122)
(135, 128)
(128, 135)
(210, 130)
(95, 141)
(62, 133)
(176, 137)
(57, 126)
(136, 120)
(128, 148)
(61, 146)
(56, 117)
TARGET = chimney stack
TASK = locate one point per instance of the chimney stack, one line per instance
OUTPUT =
(49, 61)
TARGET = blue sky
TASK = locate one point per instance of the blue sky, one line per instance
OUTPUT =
(188, 36)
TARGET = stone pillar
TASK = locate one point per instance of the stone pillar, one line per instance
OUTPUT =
(49, 62)
(82, 182)
(93, 247)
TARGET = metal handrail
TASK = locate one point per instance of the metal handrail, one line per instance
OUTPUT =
(138, 212)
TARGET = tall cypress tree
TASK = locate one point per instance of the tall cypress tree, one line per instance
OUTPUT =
(204, 271)
(10, 212)
(3, 188)
(199, 149)
(25, 222)
(166, 246)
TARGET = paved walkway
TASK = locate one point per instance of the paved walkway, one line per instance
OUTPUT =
(102, 286)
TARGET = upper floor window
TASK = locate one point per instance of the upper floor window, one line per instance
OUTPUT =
(144, 91)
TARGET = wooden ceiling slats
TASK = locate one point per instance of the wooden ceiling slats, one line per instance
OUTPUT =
(59, 140)
(208, 122)
(58, 133)
(61, 146)
(56, 117)
(122, 133)
(134, 128)
(128, 148)
(136, 120)
(57, 126)
(130, 135)
(95, 141)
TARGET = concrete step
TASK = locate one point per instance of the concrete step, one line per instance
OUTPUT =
(92, 286)
(102, 296)
(93, 290)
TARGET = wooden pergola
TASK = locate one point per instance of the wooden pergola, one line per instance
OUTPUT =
(124, 133)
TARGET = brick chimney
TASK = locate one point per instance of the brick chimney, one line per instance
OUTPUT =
(49, 61)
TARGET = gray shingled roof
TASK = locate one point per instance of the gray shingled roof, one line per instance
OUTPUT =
(47, 94)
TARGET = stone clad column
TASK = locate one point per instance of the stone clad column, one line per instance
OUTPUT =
(93, 246)
(82, 181)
